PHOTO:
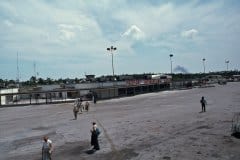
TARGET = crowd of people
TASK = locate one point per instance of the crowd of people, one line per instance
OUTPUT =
(78, 106)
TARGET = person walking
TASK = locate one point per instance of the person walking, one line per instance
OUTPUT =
(47, 149)
(80, 105)
(87, 106)
(94, 137)
(203, 103)
(94, 97)
(76, 108)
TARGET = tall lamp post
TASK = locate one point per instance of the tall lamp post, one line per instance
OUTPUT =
(171, 55)
(111, 49)
(203, 64)
(227, 61)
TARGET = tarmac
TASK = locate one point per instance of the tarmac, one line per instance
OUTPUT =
(166, 125)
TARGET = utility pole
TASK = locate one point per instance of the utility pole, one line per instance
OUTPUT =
(18, 75)
(171, 55)
(34, 69)
(227, 61)
(35, 73)
(111, 49)
(203, 64)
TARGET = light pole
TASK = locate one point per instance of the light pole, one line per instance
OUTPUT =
(203, 64)
(171, 55)
(111, 49)
(227, 61)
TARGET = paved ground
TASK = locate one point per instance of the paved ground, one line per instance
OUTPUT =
(165, 125)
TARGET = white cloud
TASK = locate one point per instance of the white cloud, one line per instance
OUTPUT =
(78, 21)
(8, 23)
(154, 20)
(66, 34)
(70, 27)
(190, 33)
(168, 17)
(134, 32)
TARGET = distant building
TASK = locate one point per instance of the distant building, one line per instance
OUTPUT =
(7, 99)
(236, 78)
(90, 77)
(163, 78)
(211, 79)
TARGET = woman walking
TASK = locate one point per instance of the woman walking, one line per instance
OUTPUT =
(94, 137)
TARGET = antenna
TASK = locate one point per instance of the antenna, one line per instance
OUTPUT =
(34, 69)
(18, 75)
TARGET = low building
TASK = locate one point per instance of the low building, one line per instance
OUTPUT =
(236, 78)
(211, 79)
(8, 98)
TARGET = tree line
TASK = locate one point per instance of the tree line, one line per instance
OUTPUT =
(33, 81)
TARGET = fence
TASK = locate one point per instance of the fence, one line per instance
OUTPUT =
(69, 95)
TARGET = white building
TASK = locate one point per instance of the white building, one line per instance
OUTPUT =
(8, 99)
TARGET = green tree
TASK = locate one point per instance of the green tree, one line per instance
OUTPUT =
(41, 81)
(33, 80)
(49, 81)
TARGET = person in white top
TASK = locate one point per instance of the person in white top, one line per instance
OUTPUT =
(47, 149)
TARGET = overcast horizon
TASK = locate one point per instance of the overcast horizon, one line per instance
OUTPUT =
(68, 39)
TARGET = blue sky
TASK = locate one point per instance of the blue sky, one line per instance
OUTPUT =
(69, 38)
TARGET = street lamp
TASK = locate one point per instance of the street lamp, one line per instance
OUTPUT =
(203, 64)
(111, 49)
(227, 61)
(171, 55)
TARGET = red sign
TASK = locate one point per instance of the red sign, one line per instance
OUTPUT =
(142, 82)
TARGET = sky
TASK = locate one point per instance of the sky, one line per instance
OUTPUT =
(68, 39)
